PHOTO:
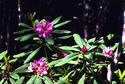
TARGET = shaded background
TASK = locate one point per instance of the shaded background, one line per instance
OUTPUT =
(89, 17)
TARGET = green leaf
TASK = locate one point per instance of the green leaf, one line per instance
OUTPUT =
(53, 63)
(12, 81)
(63, 80)
(14, 75)
(20, 81)
(32, 55)
(36, 21)
(31, 80)
(49, 40)
(64, 37)
(25, 25)
(22, 31)
(25, 37)
(110, 36)
(22, 69)
(123, 74)
(2, 81)
(95, 82)
(47, 80)
(67, 59)
(82, 80)
(61, 31)
(56, 20)
(92, 40)
(38, 80)
(115, 46)
(2, 54)
(69, 48)
(78, 40)
(20, 55)
(102, 46)
(61, 24)
(12, 60)
(92, 47)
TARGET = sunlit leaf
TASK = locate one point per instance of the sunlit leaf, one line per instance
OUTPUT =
(14, 75)
(92, 40)
(31, 80)
(47, 80)
(82, 80)
(12, 81)
(110, 36)
(2, 54)
(25, 37)
(61, 31)
(95, 82)
(64, 37)
(69, 48)
(32, 55)
(61, 24)
(20, 81)
(56, 20)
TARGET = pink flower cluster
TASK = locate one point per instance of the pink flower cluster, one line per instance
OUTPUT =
(83, 49)
(61, 55)
(107, 51)
(38, 66)
(44, 28)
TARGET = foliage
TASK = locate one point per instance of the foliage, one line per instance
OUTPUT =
(82, 63)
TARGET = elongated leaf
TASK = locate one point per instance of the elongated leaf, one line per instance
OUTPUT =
(56, 20)
(20, 81)
(31, 80)
(64, 37)
(92, 47)
(49, 40)
(13, 60)
(22, 31)
(115, 46)
(92, 40)
(12, 81)
(25, 25)
(61, 31)
(67, 59)
(2, 54)
(63, 80)
(95, 82)
(110, 36)
(102, 46)
(25, 37)
(21, 54)
(53, 63)
(69, 48)
(38, 81)
(47, 80)
(32, 55)
(2, 81)
(14, 75)
(78, 40)
(61, 24)
(82, 80)
(21, 68)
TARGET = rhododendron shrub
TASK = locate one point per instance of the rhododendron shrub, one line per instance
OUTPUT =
(44, 60)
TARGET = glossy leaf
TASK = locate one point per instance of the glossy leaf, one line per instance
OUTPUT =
(13, 60)
(25, 25)
(22, 69)
(20, 55)
(14, 75)
(67, 59)
(38, 80)
(20, 81)
(2, 81)
(92, 40)
(69, 48)
(82, 79)
(2, 54)
(49, 40)
(61, 31)
(31, 80)
(25, 37)
(32, 55)
(95, 82)
(47, 80)
(56, 20)
(64, 37)
(110, 36)
(61, 24)
(22, 31)
(12, 81)
(78, 40)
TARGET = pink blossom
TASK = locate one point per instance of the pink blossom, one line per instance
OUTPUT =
(61, 55)
(38, 66)
(83, 49)
(44, 28)
(107, 51)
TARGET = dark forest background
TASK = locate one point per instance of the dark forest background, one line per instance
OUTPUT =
(89, 17)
